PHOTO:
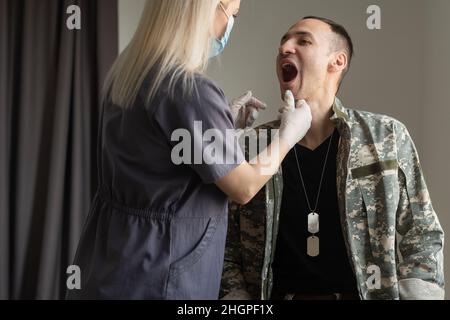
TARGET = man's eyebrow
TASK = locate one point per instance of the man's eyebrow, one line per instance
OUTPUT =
(296, 33)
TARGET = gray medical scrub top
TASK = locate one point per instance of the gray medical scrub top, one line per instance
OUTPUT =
(157, 230)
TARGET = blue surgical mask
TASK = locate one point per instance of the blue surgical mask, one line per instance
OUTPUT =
(219, 45)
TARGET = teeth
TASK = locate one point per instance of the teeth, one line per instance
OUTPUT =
(287, 66)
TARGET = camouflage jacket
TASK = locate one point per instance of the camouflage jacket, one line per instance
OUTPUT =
(393, 236)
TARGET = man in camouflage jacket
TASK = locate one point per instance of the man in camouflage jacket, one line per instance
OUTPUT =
(392, 234)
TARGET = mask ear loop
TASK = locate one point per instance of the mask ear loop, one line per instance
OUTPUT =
(223, 9)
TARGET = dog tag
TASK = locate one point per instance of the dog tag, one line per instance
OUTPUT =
(313, 223)
(313, 246)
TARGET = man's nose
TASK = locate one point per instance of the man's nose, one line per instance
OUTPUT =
(286, 49)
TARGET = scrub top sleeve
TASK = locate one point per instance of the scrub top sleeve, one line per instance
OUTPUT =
(201, 125)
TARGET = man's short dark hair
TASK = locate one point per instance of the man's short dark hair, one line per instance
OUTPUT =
(342, 37)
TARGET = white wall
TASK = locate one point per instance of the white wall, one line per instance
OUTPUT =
(129, 15)
(435, 113)
(401, 70)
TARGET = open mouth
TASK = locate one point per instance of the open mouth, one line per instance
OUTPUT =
(289, 72)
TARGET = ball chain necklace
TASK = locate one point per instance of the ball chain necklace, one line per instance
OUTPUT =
(312, 243)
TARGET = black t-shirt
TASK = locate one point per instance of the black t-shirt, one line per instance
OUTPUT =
(295, 271)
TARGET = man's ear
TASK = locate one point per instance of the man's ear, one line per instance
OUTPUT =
(339, 62)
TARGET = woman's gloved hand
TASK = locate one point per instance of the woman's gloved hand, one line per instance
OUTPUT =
(295, 120)
(245, 110)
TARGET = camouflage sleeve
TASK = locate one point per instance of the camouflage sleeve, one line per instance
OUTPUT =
(420, 267)
(233, 284)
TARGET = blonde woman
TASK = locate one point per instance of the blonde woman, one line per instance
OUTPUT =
(157, 228)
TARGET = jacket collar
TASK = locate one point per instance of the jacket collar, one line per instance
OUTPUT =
(340, 116)
(340, 112)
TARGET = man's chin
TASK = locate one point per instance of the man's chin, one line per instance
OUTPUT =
(293, 87)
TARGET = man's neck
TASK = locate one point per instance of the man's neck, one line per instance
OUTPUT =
(321, 127)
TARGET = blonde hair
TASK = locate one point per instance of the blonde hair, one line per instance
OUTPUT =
(173, 37)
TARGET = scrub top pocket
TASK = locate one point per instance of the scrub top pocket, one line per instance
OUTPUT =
(194, 259)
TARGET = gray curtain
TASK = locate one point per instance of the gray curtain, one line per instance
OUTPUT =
(50, 79)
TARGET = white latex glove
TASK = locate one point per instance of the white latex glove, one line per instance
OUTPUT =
(245, 110)
(295, 119)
